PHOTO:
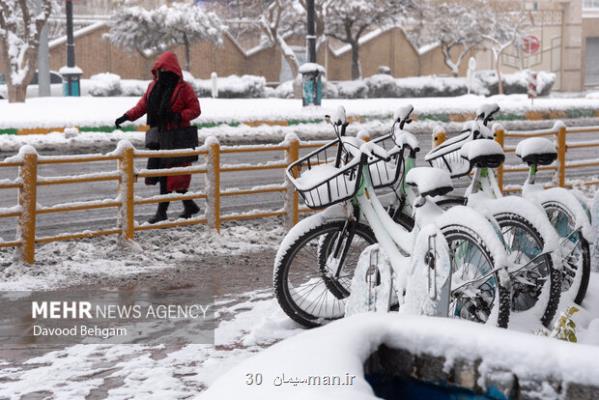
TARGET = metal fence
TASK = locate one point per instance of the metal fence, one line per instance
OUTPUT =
(126, 174)
(565, 140)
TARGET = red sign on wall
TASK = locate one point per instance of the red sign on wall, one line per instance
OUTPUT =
(531, 44)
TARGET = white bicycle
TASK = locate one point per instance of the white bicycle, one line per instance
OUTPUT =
(459, 251)
(539, 222)
(568, 214)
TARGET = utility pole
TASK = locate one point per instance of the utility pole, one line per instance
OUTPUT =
(43, 60)
(71, 74)
(311, 36)
(70, 38)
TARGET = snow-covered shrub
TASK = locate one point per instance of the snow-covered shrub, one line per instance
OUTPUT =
(330, 90)
(105, 85)
(284, 90)
(133, 87)
(246, 86)
(382, 85)
(516, 83)
(431, 86)
(352, 89)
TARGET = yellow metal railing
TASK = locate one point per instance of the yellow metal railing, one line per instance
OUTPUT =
(561, 135)
(126, 175)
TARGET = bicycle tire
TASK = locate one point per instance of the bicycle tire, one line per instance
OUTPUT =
(504, 220)
(283, 291)
(584, 248)
(502, 294)
(554, 275)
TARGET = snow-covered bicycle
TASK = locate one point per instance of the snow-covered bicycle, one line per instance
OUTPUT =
(459, 251)
(529, 223)
(568, 214)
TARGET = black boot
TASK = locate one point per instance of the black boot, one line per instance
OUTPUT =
(190, 208)
(160, 213)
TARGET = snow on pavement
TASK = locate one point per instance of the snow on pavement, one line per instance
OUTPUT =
(250, 322)
(342, 347)
(152, 372)
(61, 264)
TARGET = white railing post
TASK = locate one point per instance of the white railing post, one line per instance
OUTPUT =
(214, 78)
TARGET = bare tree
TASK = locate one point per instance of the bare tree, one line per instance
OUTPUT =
(348, 20)
(280, 19)
(20, 29)
(183, 24)
(149, 32)
(508, 28)
(458, 26)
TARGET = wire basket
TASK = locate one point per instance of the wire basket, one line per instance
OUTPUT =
(386, 173)
(447, 156)
(326, 176)
(331, 174)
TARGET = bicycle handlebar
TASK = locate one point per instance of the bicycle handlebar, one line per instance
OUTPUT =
(372, 149)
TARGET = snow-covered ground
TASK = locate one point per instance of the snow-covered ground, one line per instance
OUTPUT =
(61, 264)
(151, 372)
(343, 347)
(250, 322)
(94, 111)
(256, 323)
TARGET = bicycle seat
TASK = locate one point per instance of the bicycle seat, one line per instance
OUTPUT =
(483, 153)
(536, 150)
(430, 181)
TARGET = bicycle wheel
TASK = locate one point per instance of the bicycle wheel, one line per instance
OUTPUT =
(576, 266)
(300, 282)
(525, 246)
(471, 261)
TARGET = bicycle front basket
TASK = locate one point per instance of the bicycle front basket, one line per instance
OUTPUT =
(386, 173)
(325, 177)
(447, 156)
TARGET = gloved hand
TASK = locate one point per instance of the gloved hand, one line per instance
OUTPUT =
(120, 120)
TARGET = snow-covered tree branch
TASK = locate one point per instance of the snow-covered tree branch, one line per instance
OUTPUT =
(20, 27)
(458, 25)
(185, 23)
(280, 19)
(149, 32)
(508, 28)
(348, 21)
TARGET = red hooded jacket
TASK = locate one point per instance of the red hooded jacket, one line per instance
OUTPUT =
(183, 100)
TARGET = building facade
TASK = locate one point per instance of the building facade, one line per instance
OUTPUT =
(565, 34)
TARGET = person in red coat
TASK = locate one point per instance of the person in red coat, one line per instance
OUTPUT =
(169, 103)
